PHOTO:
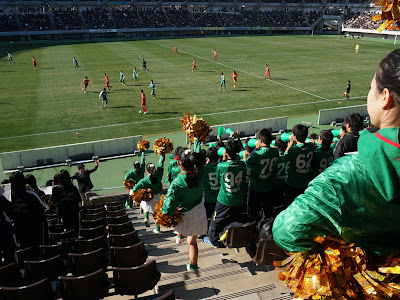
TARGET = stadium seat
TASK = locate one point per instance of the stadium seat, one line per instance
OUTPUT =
(115, 207)
(30, 253)
(93, 223)
(239, 236)
(123, 240)
(48, 268)
(137, 280)
(95, 216)
(129, 256)
(84, 246)
(116, 213)
(121, 228)
(39, 290)
(267, 252)
(91, 233)
(10, 275)
(49, 251)
(118, 220)
(62, 236)
(113, 203)
(86, 263)
(94, 210)
(77, 288)
(56, 228)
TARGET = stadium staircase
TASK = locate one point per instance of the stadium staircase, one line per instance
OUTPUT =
(223, 273)
(83, 19)
(53, 24)
(18, 21)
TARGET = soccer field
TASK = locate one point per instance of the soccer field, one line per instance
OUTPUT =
(46, 106)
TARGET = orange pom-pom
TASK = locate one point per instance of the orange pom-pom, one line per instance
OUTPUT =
(163, 146)
(163, 219)
(195, 127)
(142, 195)
(143, 145)
(128, 184)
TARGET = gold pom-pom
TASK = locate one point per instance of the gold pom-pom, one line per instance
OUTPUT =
(142, 195)
(128, 184)
(163, 219)
(338, 270)
(143, 145)
(163, 146)
(390, 15)
(195, 127)
(49, 200)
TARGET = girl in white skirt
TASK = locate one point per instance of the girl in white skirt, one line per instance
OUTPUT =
(185, 192)
(153, 182)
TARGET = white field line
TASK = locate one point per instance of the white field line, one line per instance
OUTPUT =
(176, 118)
(248, 73)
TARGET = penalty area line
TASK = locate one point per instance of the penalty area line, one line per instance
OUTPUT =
(176, 118)
(245, 72)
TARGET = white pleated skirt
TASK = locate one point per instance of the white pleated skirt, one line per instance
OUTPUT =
(148, 206)
(194, 222)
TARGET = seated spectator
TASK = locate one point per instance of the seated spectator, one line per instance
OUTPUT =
(348, 143)
(67, 197)
(323, 156)
(8, 247)
(28, 213)
(211, 184)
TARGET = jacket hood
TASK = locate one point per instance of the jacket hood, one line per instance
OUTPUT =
(379, 151)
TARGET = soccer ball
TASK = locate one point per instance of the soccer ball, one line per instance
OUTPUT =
(140, 111)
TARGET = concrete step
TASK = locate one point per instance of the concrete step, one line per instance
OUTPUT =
(267, 291)
(206, 281)
(183, 256)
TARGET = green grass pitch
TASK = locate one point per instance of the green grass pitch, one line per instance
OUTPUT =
(46, 107)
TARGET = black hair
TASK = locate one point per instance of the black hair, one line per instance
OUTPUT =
(219, 144)
(18, 187)
(177, 151)
(247, 147)
(281, 145)
(55, 179)
(233, 147)
(81, 166)
(193, 163)
(151, 168)
(212, 154)
(136, 165)
(264, 135)
(31, 181)
(141, 91)
(388, 75)
(64, 179)
(326, 137)
(355, 121)
(313, 136)
(300, 132)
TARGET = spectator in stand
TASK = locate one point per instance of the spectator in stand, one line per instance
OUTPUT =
(67, 196)
(173, 169)
(84, 182)
(348, 143)
(28, 213)
(262, 162)
(323, 156)
(282, 166)
(31, 181)
(299, 154)
(8, 246)
(211, 184)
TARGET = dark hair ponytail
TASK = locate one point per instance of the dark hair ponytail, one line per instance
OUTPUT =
(193, 164)
(151, 168)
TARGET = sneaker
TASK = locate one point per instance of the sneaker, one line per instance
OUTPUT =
(145, 113)
(191, 267)
(179, 240)
(156, 231)
(207, 241)
(146, 222)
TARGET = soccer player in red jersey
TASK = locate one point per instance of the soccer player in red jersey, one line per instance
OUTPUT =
(234, 76)
(215, 55)
(107, 79)
(34, 62)
(143, 103)
(85, 82)
(267, 72)
(175, 50)
(194, 65)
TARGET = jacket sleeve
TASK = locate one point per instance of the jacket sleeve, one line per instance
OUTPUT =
(317, 212)
(139, 185)
(171, 201)
(197, 145)
(94, 169)
(143, 162)
(339, 151)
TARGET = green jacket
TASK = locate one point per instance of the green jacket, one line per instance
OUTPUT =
(133, 174)
(300, 159)
(146, 183)
(356, 199)
(180, 195)
(211, 184)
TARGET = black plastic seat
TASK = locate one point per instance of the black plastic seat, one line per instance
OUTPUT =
(268, 252)
(47, 268)
(116, 213)
(49, 251)
(84, 246)
(10, 275)
(62, 236)
(123, 240)
(130, 256)
(93, 223)
(239, 236)
(39, 290)
(115, 207)
(91, 233)
(30, 253)
(118, 220)
(86, 263)
(95, 216)
(121, 228)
